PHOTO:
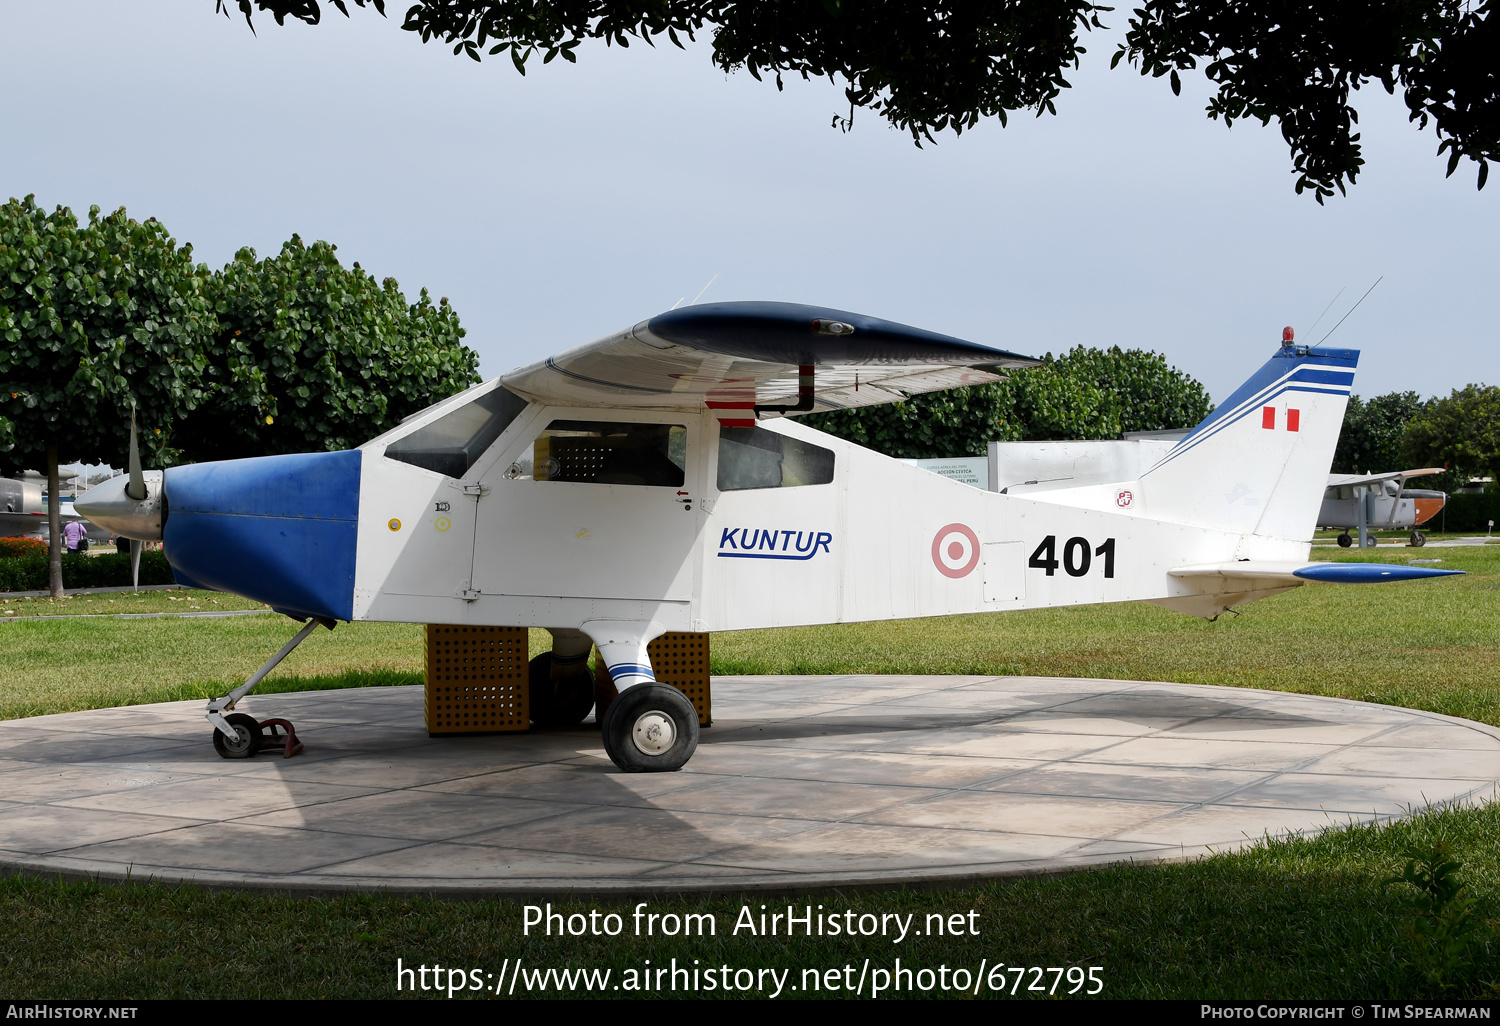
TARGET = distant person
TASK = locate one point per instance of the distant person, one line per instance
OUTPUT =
(75, 536)
(122, 543)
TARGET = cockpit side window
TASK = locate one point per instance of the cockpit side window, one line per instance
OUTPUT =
(756, 458)
(599, 452)
(451, 444)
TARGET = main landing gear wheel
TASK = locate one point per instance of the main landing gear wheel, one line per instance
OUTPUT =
(564, 701)
(1345, 541)
(650, 728)
(1418, 539)
(247, 743)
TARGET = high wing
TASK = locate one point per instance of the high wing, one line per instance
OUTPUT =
(1344, 480)
(734, 356)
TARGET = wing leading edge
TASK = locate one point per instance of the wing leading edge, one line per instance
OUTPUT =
(735, 355)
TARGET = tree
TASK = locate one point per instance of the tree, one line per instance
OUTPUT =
(1461, 432)
(1085, 393)
(946, 64)
(96, 319)
(1370, 442)
(310, 355)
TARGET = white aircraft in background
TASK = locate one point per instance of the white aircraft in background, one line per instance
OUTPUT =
(1366, 502)
(653, 481)
(23, 510)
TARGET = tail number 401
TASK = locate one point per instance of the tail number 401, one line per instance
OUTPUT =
(1076, 556)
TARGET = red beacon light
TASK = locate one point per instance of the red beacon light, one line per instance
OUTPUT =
(1287, 334)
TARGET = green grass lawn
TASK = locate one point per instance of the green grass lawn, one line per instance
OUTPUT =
(108, 603)
(1302, 918)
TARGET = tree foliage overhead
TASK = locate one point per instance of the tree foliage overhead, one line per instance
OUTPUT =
(1370, 442)
(309, 354)
(1299, 60)
(1085, 393)
(945, 64)
(1462, 431)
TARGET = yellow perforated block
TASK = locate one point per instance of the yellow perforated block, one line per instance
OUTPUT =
(476, 679)
(681, 660)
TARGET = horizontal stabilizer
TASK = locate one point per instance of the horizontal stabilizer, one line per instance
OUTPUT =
(1369, 573)
(1290, 571)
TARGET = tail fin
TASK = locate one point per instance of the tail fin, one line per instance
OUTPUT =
(1258, 465)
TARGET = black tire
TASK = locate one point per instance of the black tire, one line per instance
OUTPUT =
(563, 702)
(646, 713)
(248, 728)
(1345, 541)
(1418, 539)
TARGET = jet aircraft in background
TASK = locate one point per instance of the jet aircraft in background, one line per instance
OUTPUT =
(658, 480)
(23, 505)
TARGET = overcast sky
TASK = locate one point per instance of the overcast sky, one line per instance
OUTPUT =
(554, 208)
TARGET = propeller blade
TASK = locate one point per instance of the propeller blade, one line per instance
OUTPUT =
(136, 489)
(135, 563)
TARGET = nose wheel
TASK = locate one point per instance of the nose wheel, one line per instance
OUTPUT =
(650, 728)
(246, 741)
(252, 735)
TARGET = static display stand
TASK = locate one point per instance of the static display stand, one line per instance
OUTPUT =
(476, 679)
(678, 658)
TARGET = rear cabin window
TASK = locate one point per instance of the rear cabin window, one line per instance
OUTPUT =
(600, 452)
(756, 458)
(451, 444)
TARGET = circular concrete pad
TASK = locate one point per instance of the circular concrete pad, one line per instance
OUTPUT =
(802, 782)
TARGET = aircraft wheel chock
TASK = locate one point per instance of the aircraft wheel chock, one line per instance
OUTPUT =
(1345, 541)
(564, 701)
(650, 728)
(248, 742)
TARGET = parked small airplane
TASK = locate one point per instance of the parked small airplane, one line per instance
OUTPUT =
(1366, 502)
(653, 481)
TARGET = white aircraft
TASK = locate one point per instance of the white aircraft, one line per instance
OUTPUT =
(23, 510)
(651, 481)
(1362, 502)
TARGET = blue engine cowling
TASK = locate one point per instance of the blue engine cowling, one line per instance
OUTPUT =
(282, 530)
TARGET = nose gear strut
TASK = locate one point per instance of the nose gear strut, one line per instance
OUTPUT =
(238, 736)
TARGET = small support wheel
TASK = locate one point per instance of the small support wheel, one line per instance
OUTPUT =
(248, 730)
(650, 728)
(1418, 539)
(564, 701)
(1345, 541)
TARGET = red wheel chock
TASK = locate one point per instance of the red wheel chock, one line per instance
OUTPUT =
(278, 733)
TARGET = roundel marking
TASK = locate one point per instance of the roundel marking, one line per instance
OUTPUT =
(955, 551)
(394, 525)
(442, 523)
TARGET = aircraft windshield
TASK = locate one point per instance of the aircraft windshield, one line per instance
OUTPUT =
(451, 444)
(610, 453)
(757, 458)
